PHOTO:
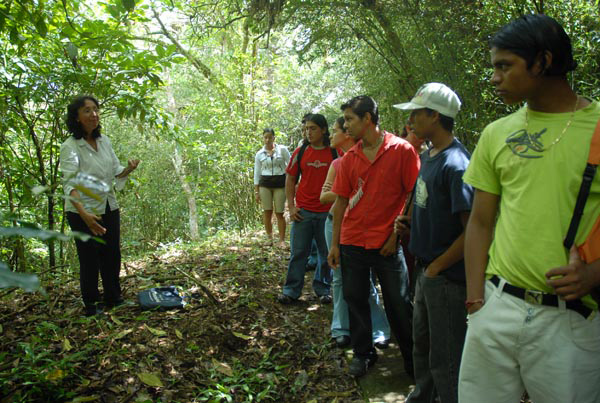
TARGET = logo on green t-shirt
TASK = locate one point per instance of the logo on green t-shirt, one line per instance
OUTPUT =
(524, 144)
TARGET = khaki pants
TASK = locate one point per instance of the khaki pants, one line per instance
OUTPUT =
(512, 346)
(272, 196)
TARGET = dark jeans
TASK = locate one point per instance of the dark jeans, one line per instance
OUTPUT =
(391, 271)
(95, 257)
(303, 235)
(440, 324)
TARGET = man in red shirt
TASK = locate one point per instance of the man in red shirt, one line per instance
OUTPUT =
(373, 181)
(307, 213)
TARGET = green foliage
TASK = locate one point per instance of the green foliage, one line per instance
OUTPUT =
(28, 282)
(238, 383)
(32, 231)
(393, 47)
(52, 53)
(188, 88)
(39, 374)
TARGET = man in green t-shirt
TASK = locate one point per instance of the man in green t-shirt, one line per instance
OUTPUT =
(532, 324)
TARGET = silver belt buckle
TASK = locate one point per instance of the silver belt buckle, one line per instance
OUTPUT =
(534, 297)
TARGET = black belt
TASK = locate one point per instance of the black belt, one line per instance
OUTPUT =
(541, 298)
(421, 262)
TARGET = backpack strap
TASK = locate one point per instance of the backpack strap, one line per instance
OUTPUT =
(299, 158)
(584, 189)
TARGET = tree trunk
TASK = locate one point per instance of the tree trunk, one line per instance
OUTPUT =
(51, 242)
(189, 194)
(177, 162)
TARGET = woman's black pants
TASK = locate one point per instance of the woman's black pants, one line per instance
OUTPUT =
(96, 257)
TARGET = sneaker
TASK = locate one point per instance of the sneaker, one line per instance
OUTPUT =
(285, 300)
(358, 366)
(383, 344)
(342, 341)
(325, 299)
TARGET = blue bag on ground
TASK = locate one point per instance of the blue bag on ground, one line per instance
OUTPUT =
(161, 298)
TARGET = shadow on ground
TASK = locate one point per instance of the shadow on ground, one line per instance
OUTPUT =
(387, 381)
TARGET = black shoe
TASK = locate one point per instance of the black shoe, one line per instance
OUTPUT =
(112, 304)
(382, 345)
(342, 341)
(311, 267)
(285, 300)
(359, 366)
(92, 310)
(325, 299)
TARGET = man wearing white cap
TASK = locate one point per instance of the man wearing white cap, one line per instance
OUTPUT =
(440, 211)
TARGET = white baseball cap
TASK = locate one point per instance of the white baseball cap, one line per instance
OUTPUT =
(436, 96)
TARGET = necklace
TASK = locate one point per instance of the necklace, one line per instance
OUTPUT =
(556, 140)
(379, 140)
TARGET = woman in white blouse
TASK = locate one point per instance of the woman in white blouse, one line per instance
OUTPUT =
(87, 156)
(269, 182)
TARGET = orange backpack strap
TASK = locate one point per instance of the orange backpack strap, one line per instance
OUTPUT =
(584, 189)
(594, 157)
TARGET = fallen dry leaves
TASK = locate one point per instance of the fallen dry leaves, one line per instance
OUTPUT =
(246, 348)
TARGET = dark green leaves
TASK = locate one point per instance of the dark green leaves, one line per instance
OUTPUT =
(128, 4)
(44, 235)
(29, 282)
(41, 26)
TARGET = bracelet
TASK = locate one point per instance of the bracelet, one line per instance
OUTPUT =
(469, 304)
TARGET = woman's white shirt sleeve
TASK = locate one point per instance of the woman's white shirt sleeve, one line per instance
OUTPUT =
(257, 169)
(286, 155)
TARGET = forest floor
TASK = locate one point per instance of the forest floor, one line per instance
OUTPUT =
(245, 347)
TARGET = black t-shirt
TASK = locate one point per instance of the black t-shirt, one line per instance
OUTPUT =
(440, 197)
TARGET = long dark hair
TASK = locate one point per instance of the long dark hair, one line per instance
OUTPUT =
(73, 125)
(320, 121)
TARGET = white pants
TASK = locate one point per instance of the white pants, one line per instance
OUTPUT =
(512, 346)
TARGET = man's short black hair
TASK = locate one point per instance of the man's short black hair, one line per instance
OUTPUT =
(445, 121)
(362, 104)
(530, 36)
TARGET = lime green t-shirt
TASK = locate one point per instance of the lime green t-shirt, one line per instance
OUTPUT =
(537, 180)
